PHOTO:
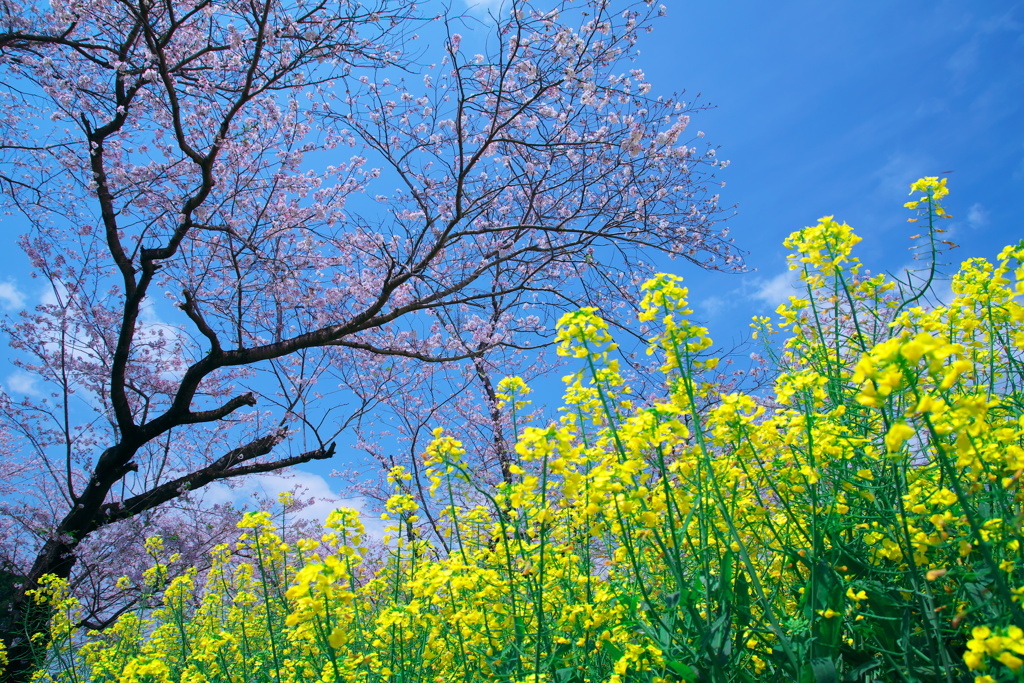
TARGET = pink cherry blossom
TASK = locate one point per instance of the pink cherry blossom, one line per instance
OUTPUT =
(263, 230)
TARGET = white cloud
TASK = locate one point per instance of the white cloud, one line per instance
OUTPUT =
(977, 216)
(944, 292)
(164, 339)
(485, 6)
(712, 306)
(964, 60)
(778, 289)
(53, 294)
(915, 273)
(1005, 22)
(22, 382)
(270, 486)
(898, 172)
(11, 298)
(153, 330)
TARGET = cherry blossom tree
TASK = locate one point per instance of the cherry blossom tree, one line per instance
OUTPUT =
(257, 220)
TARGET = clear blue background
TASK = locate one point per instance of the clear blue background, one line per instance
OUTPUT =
(834, 108)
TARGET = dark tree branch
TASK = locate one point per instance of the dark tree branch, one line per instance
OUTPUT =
(228, 466)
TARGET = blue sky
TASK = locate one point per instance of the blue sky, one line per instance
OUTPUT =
(834, 108)
(822, 108)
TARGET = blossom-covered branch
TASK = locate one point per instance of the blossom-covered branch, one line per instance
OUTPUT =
(239, 160)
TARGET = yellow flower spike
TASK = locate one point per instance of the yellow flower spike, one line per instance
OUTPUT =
(256, 521)
(927, 404)
(917, 347)
(974, 661)
(401, 503)
(955, 370)
(338, 637)
(398, 474)
(825, 248)
(583, 333)
(512, 389)
(898, 433)
(932, 186)
(154, 545)
(347, 520)
(663, 294)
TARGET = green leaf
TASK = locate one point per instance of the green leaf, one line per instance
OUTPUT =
(613, 650)
(824, 670)
(567, 675)
(742, 599)
(681, 670)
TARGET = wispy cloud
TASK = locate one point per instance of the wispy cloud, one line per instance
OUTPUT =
(964, 61)
(307, 485)
(11, 298)
(913, 275)
(899, 171)
(977, 216)
(713, 306)
(777, 290)
(485, 6)
(1003, 23)
(21, 382)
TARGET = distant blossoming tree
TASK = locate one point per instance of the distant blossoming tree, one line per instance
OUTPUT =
(239, 160)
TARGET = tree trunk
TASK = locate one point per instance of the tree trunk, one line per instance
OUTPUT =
(25, 618)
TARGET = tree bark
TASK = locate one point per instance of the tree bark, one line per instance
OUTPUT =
(25, 618)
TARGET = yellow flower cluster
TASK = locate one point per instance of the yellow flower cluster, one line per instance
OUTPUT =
(861, 521)
(665, 302)
(1005, 647)
(584, 334)
(826, 246)
(933, 188)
